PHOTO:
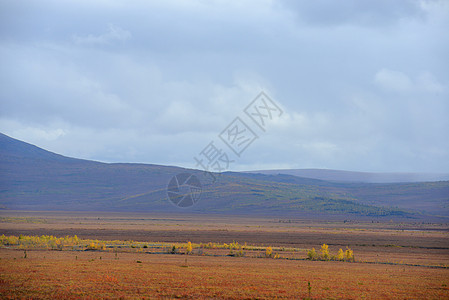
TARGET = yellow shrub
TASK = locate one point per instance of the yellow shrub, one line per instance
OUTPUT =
(325, 252)
(268, 252)
(349, 254)
(189, 247)
(234, 245)
(340, 255)
(311, 254)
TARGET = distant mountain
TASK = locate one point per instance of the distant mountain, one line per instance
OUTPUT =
(349, 176)
(34, 179)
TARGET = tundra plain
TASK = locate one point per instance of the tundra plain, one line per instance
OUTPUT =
(228, 258)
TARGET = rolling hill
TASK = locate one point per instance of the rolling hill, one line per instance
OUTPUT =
(366, 177)
(32, 178)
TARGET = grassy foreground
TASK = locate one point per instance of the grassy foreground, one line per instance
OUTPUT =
(135, 256)
(91, 274)
(69, 267)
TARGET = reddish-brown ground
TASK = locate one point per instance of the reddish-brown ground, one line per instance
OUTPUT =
(61, 274)
(75, 274)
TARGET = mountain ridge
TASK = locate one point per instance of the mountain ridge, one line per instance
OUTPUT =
(35, 179)
(356, 176)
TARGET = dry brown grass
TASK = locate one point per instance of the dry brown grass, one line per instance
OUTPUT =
(64, 274)
(75, 274)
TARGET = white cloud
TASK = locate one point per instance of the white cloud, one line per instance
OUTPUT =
(393, 80)
(400, 82)
(428, 83)
(30, 133)
(114, 34)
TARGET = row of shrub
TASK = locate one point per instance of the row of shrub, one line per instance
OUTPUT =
(347, 255)
(54, 243)
(231, 246)
(44, 241)
(235, 249)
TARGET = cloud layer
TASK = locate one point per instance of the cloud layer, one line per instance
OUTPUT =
(364, 85)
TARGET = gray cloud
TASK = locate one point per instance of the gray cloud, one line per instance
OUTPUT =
(374, 13)
(364, 85)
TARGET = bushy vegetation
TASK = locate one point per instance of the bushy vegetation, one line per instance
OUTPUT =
(63, 243)
(189, 247)
(268, 252)
(96, 246)
(325, 252)
(44, 241)
(235, 249)
(341, 255)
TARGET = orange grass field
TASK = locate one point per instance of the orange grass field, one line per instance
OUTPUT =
(415, 267)
(135, 275)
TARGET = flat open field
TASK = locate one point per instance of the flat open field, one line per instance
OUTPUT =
(393, 260)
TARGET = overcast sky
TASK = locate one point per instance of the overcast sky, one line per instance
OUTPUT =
(364, 85)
